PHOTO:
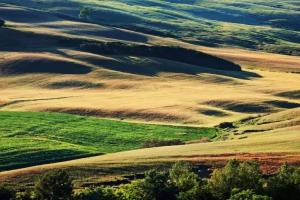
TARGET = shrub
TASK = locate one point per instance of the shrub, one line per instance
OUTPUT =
(159, 143)
(24, 196)
(100, 193)
(54, 185)
(6, 193)
(242, 175)
(285, 184)
(247, 195)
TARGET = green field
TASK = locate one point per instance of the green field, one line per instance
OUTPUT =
(269, 25)
(31, 138)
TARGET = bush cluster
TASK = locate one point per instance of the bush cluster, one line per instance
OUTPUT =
(236, 181)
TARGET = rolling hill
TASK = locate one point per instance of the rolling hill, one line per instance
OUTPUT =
(265, 25)
(142, 65)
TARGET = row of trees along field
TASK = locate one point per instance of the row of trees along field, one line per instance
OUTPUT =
(236, 181)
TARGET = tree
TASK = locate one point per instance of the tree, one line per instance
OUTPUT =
(2, 22)
(54, 185)
(242, 175)
(247, 195)
(155, 186)
(133, 191)
(100, 193)
(85, 13)
(187, 183)
(285, 184)
(6, 193)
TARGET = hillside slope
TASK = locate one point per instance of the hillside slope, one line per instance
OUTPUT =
(267, 25)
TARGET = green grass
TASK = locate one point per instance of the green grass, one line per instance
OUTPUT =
(270, 25)
(30, 138)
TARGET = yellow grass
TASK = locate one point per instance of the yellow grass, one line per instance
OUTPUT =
(180, 97)
(186, 96)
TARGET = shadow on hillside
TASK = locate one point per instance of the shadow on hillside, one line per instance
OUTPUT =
(150, 66)
(294, 94)
(21, 159)
(133, 59)
(241, 107)
(25, 15)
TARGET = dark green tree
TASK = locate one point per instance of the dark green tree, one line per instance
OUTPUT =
(155, 186)
(100, 193)
(242, 175)
(6, 193)
(237, 194)
(285, 184)
(133, 191)
(54, 185)
(187, 183)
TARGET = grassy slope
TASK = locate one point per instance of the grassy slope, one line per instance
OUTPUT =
(29, 138)
(268, 25)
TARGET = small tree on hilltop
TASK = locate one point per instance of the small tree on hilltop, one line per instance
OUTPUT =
(54, 185)
(85, 13)
(2, 22)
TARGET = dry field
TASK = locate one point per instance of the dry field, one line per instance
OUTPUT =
(68, 80)
(204, 99)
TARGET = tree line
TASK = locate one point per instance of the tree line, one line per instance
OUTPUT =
(236, 181)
